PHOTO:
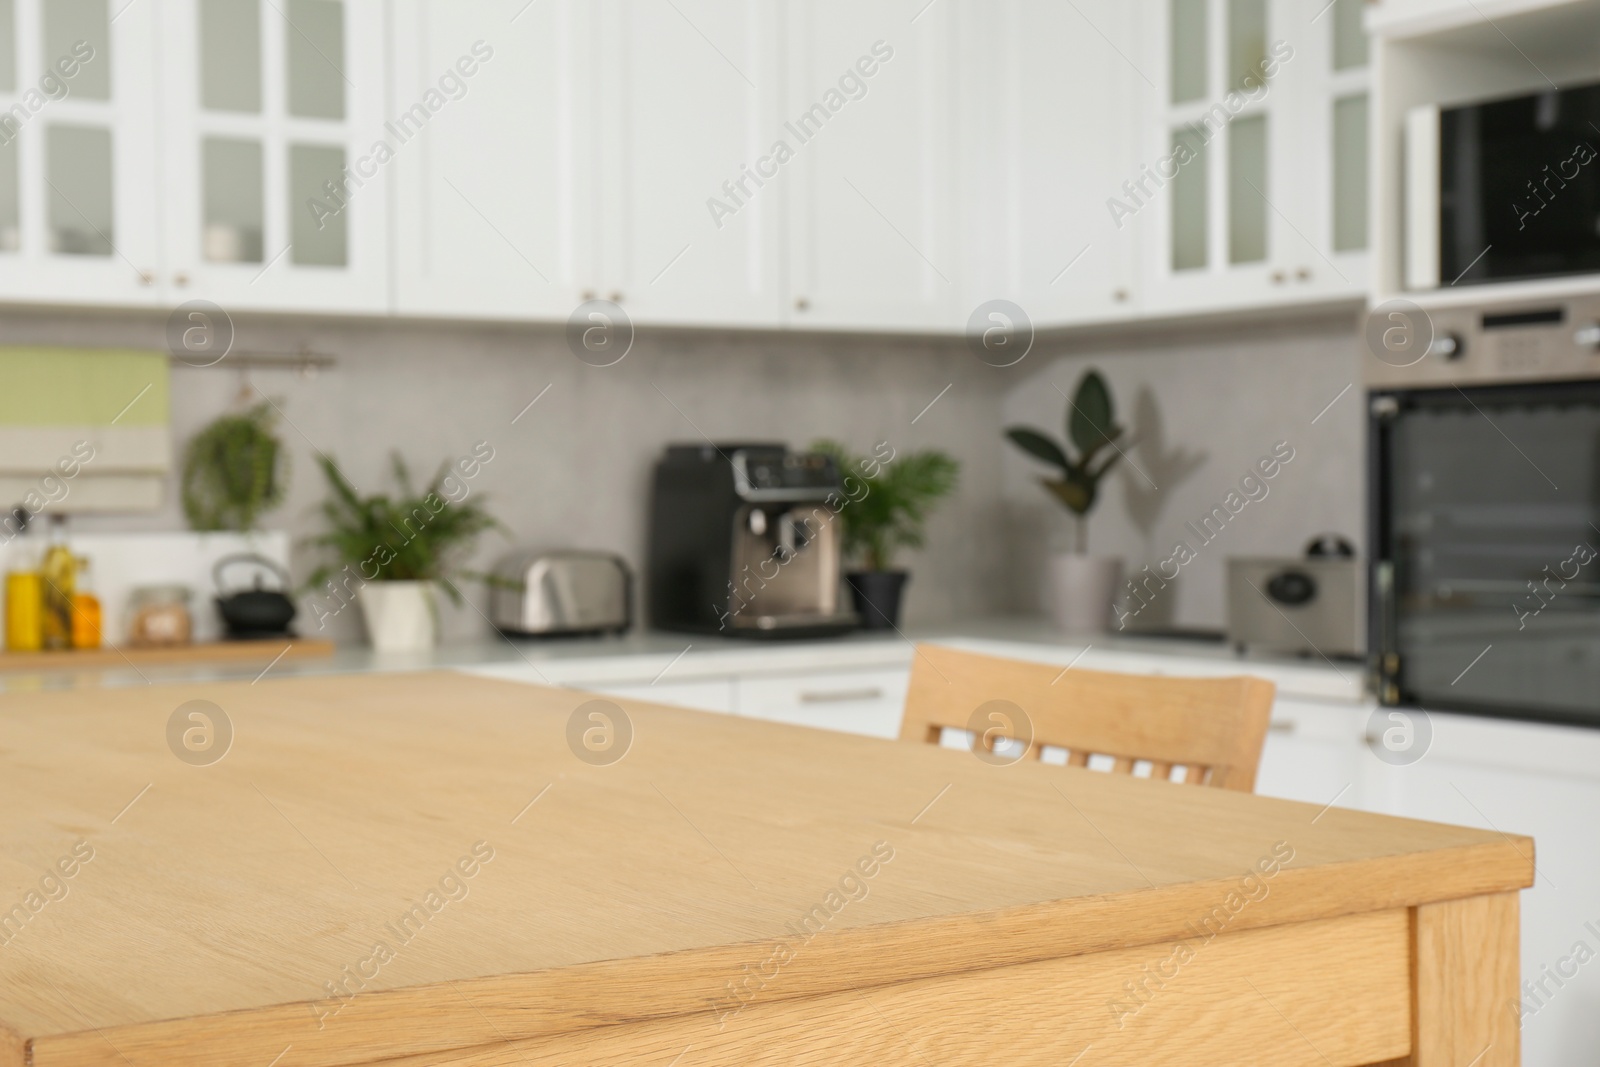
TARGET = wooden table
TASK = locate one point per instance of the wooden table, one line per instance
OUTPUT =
(418, 870)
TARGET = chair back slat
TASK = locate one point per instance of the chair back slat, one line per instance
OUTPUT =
(1213, 728)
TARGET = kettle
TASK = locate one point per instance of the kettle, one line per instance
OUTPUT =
(254, 612)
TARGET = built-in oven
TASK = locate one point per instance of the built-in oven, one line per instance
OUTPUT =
(1485, 508)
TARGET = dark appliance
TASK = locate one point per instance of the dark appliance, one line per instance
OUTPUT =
(1504, 189)
(1485, 512)
(745, 541)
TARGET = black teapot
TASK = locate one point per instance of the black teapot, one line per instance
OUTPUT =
(254, 612)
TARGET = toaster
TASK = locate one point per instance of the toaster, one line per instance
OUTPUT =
(561, 592)
(1309, 606)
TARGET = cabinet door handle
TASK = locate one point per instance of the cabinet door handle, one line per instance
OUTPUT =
(1282, 726)
(616, 296)
(1278, 277)
(1304, 274)
(839, 696)
(147, 277)
(802, 304)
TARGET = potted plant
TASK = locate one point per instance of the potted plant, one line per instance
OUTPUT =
(234, 471)
(885, 514)
(1082, 587)
(400, 548)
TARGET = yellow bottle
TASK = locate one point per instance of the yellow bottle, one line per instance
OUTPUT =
(24, 611)
(57, 570)
(85, 608)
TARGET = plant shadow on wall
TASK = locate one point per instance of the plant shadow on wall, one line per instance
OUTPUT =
(1167, 468)
(1082, 586)
(890, 515)
(396, 551)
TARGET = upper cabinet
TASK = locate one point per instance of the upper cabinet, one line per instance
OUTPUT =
(79, 220)
(1053, 99)
(274, 145)
(692, 198)
(494, 184)
(826, 165)
(1255, 171)
(869, 127)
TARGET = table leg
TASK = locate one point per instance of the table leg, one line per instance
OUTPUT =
(1464, 983)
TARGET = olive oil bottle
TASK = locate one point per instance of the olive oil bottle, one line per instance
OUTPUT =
(58, 569)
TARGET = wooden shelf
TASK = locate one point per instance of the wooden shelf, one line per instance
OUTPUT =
(262, 651)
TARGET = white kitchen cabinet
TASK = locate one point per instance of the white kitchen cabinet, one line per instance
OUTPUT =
(272, 172)
(691, 202)
(856, 702)
(870, 123)
(1314, 753)
(1257, 195)
(79, 207)
(701, 694)
(1044, 161)
(495, 204)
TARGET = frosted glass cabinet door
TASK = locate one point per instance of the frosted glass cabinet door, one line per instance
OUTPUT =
(273, 118)
(495, 202)
(77, 154)
(871, 170)
(1260, 122)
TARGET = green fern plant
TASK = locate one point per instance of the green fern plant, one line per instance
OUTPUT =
(413, 536)
(1092, 429)
(898, 498)
(234, 471)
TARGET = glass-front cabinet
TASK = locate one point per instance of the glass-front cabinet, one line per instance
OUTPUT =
(154, 153)
(275, 148)
(1257, 152)
(78, 152)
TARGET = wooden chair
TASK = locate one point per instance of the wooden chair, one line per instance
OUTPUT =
(1212, 728)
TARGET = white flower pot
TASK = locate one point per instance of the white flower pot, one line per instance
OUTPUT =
(1082, 590)
(400, 615)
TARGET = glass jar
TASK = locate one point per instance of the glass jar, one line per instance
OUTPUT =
(158, 616)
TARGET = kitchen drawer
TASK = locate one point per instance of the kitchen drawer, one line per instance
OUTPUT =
(701, 694)
(856, 702)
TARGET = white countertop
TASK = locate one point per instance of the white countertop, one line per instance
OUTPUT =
(648, 656)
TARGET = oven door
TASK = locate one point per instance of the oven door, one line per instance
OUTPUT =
(1486, 549)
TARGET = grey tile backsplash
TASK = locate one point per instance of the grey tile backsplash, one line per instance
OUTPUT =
(573, 470)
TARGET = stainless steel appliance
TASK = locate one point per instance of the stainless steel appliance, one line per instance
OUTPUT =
(1485, 511)
(1311, 606)
(1503, 189)
(745, 541)
(561, 592)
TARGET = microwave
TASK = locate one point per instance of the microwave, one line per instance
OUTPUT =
(1503, 190)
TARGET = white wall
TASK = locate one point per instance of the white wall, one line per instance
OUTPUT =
(1204, 404)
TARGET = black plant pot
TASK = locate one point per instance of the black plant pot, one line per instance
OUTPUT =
(877, 597)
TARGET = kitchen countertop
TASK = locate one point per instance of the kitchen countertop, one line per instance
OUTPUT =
(649, 656)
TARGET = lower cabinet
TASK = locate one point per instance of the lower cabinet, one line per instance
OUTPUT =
(1314, 753)
(855, 702)
(701, 694)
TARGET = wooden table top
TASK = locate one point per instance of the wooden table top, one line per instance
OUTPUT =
(218, 906)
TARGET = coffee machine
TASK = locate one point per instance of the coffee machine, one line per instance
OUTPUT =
(745, 541)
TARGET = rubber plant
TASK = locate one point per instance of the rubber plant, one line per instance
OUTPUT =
(234, 471)
(1092, 431)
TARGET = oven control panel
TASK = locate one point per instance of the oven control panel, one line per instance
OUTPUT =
(1408, 347)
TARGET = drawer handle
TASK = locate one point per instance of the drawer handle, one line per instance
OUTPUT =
(1281, 726)
(839, 696)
